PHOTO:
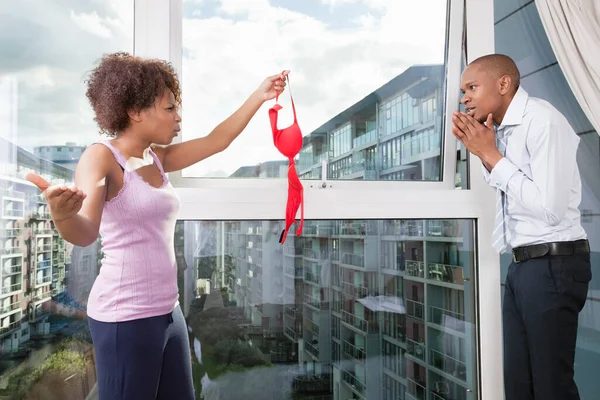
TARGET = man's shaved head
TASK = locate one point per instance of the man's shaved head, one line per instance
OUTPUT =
(489, 84)
(498, 65)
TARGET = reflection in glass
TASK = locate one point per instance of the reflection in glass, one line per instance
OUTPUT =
(45, 125)
(385, 125)
(520, 34)
(351, 310)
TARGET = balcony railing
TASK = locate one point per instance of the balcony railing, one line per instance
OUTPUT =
(446, 273)
(415, 309)
(358, 260)
(42, 248)
(12, 193)
(415, 268)
(12, 269)
(313, 301)
(449, 365)
(13, 213)
(416, 390)
(312, 326)
(43, 296)
(11, 250)
(43, 231)
(356, 291)
(9, 308)
(446, 318)
(415, 349)
(10, 232)
(11, 288)
(351, 380)
(359, 323)
(312, 278)
(353, 351)
(10, 327)
(311, 349)
(291, 333)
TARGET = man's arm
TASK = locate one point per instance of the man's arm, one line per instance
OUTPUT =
(553, 151)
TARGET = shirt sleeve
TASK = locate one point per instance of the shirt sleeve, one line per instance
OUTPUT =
(553, 152)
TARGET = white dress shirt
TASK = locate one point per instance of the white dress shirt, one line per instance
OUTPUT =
(539, 173)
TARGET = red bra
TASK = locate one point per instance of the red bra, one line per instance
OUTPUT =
(289, 143)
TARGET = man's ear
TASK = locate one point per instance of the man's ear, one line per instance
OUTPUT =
(504, 83)
(135, 115)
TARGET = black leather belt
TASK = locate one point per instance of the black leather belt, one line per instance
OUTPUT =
(525, 253)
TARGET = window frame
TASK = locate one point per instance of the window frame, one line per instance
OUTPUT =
(158, 33)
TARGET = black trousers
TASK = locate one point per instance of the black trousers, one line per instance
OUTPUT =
(542, 301)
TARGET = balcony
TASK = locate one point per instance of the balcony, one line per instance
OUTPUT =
(446, 273)
(415, 268)
(312, 326)
(314, 302)
(311, 349)
(43, 264)
(415, 309)
(11, 213)
(11, 250)
(43, 231)
(354, 352)
(357, 260)
(42, 297)
(317, 255)
(10, 232)
(9, 308)
(354, 290)
(312, 278)
(415, 349)
(13, 194)
(359, 323)
(447, 319)
(11, 288)
(9, 328)
(45, 280)
(416, 390)
(351, 380)
(43, 248)
(365, 138)
(290, 333)
(448, 364)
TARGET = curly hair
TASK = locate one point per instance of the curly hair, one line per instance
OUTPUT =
(122, 82)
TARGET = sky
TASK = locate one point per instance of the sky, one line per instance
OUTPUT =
(338, 51)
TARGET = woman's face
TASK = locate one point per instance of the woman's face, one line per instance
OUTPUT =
(161, 121)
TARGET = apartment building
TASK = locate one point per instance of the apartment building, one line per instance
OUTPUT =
(377, 309)
(33, 258)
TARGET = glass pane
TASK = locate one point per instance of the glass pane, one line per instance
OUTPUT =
(360, 78)
(542, 77)
(45, 124)
(353, 309)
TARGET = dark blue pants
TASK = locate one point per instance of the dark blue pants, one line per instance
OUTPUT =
(144, 359)
(542, 301)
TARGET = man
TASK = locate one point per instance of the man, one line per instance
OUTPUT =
(528, 151)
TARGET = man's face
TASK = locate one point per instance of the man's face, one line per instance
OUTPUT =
(481, 93)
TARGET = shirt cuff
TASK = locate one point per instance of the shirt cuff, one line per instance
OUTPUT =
(501, 174)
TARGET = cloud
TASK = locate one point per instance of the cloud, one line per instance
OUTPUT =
(230, 46)
(92, 23)
(49, 54)
(228, 55)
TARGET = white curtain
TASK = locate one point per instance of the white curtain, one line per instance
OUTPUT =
(573, 28)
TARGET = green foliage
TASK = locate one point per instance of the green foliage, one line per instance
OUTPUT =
(69, 359)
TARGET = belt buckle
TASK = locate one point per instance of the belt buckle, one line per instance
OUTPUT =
(514, 257)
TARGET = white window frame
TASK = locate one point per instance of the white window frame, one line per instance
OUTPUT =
(158, 34)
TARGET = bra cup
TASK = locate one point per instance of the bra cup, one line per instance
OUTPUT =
(289, 141)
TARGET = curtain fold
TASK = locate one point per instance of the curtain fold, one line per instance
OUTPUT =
(573, 29)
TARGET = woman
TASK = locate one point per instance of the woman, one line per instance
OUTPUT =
(121, 191)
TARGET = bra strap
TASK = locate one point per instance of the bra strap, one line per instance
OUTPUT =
(291, 97)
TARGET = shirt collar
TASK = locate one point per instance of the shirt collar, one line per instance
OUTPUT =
(516, 109)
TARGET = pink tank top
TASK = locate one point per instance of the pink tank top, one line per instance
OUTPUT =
(138, 277)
